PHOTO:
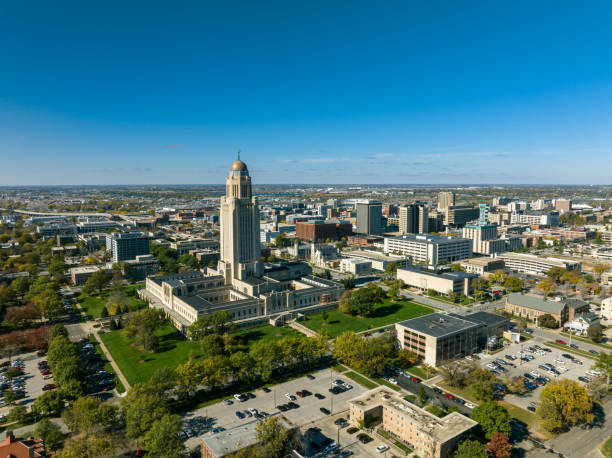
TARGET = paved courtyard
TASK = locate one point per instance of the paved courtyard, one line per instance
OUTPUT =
(203, 420)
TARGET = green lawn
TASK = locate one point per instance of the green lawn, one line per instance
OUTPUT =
(569, 349)
(606, 448)
(107, 365)
(522, 415)
(387, 313)
(589, 341)
(93, 305)
(418, 372)
(360, 379)
(174, 349)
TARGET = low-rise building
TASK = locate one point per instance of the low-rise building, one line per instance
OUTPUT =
(581, 323)
(80, 275)
(536, 265)
(605, 313)
(441, 283)
(184, 246)
(142, 267)
(379, 260)
(12, 447)
(482, 266)
(531, 307)
(425, 433)
(356, 266)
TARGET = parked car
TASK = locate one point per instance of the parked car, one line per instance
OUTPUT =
(574, 346)
(319, 396)
(310, 376)
(290, 397)
(449, 396)
(352, 430)
(469, 405)
(559, 341)
(228, 402)
(325, 410)
(239, 414)
(364, 438)
(48, 386)
(266, 390)
(595, 352)
(382, 448)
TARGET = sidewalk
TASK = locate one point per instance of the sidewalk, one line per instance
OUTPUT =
(112, 362)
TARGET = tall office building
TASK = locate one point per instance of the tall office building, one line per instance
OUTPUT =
(240, 255)
(414, 219)
(124, 247)
(369, 217)
(446, 199)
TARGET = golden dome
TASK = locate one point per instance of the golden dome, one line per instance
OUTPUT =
(239, 165)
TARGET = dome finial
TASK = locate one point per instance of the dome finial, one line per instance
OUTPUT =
(238, 153)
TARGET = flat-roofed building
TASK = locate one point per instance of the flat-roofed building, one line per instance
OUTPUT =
(185, 246)
(459, 215)
(430, 249)
(142, 267)
(126, 246)
(356, 266)
(536, 265)
(425, 433)
(319, 231)
(379, 260)
(79, 275)
(482, 266)
(442, 283)
(369, 217)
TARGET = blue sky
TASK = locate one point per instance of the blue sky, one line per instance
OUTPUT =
(324, 92)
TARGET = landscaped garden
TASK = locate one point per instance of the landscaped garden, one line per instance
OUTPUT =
(138, 365)
(388, 312)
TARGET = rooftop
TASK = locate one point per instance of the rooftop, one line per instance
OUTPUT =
(438, 324)
(535, 302)
(430, 238)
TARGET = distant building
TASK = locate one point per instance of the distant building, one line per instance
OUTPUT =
(369, 217)
(413, 219)
(184, 246)
(378, 260)
(563, 205)
(319, 231)
(142, 267)
(124, 247)
(430, 249)
(416, 428)
(459, 215)
(441, 283)
(536, 265)
(57, 229)
(606, 309)
(536, 218)
(446, 199)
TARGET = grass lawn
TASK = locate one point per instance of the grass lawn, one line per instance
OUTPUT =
(174, 349)
(589, 341)
(360, 379)
(107, 365)
(522, 415)
(463, 393)
(387, 313)
(93, 305)
(340, 368)
(606, 448)
(418, 372)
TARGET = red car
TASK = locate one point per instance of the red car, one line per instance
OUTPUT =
(559, 341)
(449, 396)
(415, 380)
(46, 372)
(49, 386)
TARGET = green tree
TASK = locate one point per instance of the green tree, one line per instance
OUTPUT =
(162, 439)
(50, 433)
(91, 445)
(98, 280)
(10, 397)
(18, 414)
(471, 449)
(141, 408)
(564, 403)
(595, 333)
(48, 403)
(421, 397)
(58, 330)
(391, 269)
(515, 284)
(189, 261)
(604, 363)
(48, 303)
(91, 414)
(548, 321)
(499, 277)
(272, 437)
(493, 418)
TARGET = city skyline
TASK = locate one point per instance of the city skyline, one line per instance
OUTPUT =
(319, 94)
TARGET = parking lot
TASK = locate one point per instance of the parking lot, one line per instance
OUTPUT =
(202, 421)
(566, 367)
(34, 382)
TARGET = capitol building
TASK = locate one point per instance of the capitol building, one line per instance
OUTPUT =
(253, 292)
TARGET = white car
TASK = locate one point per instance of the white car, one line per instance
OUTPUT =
(290, 397)
(47, 377)
(560, 361)
(469, 358)
(392, 380)
(492, 366)
(535, 373)
(347, 386)
(469, 405)
(253, 410)
(382, 448)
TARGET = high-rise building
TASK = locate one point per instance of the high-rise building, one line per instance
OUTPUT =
(127, 246)
(369, 217)
(446, 199)
(414, 219)
(240, 256)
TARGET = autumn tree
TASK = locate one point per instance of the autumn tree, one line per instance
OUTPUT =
(515, 284)
(499, 446)
(564, 403)
(547, 285)
(272, 437)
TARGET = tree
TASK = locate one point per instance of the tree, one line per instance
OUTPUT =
(471, 449)
(555, 273)
(58, 330)
(407, 358)
(90, 414)
(48, 403)
(564, 403)
(499, 277)
(104, 312)
(91, 445)
(162, 439)
(391, 269)
(548, 321)
(457, 268)
(141, 408)
(453, 296)
(493, 418)
(547, 286)
(98, 280)
(48, 303)
(345, 302)
(421, 398)
(601, 268)
(454, 373)
(498, 446)
(50, 433)
(481, 382)
(515, 284)
(189, 261)
(10, 397)
(272, 437)
(18, 414)
(604, 363)
(595, 333)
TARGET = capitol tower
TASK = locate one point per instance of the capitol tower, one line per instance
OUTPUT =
(240, 256)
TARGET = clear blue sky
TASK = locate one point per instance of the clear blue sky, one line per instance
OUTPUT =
(117, 92)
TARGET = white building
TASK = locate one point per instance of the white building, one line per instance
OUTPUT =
(605, 312)
(430, 249)
(536, 265)
(356, 266)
